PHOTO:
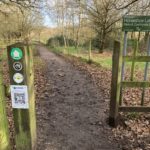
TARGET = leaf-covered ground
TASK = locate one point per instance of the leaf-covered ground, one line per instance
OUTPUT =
(71, 113)
(133, 132)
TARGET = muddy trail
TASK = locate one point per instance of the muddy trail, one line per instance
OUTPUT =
(71, 114)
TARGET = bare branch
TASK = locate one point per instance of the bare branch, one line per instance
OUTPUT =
(126, 5)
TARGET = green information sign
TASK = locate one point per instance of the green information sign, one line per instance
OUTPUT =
(136, 23)
(16, 53)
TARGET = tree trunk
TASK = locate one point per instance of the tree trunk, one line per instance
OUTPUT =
(101, 48)
(65, 43)
(39, 37)
(102, 43)
(79, 27)
(146, 37)
(90, 48)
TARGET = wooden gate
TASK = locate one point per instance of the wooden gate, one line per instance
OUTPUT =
(120, 58)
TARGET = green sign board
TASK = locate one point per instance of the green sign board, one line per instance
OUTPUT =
(136, 23)
(16, 53)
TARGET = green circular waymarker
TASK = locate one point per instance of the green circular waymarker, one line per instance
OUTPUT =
(16, 53)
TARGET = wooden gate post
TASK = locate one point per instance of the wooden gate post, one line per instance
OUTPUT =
(4, 131)
(115, 84)
(22, 96)
(30, 83)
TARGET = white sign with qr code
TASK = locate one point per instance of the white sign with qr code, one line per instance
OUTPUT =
(19, 96)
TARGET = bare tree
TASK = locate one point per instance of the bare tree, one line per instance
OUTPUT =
(22, 3)
(104, 14)
(101, 15)
(16, 24)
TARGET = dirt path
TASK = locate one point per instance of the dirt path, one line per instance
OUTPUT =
(71, 114)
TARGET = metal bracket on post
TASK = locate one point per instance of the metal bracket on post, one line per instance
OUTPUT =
(7, 90)
(124, 53)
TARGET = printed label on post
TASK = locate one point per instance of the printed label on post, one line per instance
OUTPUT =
(19, 96)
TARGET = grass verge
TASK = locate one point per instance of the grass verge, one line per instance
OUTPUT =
(104, 60)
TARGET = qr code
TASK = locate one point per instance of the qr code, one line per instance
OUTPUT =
(19, 98)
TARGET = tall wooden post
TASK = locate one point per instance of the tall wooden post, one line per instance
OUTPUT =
(30, 83)
(90, 48)
(22, 96)
(115, 84)
(4, 131)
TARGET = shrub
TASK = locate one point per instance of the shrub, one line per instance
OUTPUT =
(59, 41)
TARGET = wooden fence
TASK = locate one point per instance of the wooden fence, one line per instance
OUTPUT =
(119, 83)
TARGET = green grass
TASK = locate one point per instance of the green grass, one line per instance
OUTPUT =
(83, 54)
(104, 61)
